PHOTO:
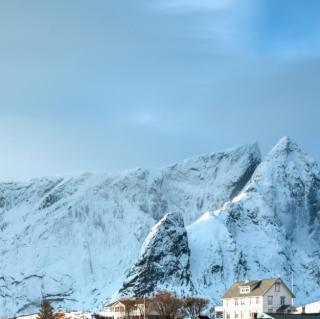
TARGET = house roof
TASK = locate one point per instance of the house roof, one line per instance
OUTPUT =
(285, 308)
(126, 301)
(112, 303)
(257, 288)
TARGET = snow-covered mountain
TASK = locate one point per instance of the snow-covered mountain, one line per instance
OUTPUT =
(272, 228)
(163, 263)
(77, 239)
(73, 239)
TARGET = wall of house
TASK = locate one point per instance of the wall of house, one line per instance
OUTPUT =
(118, 311)
(242, 307)
(276, 298)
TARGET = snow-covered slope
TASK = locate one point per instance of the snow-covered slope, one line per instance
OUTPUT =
(163, 263)
(72, 239)
(201, 183)
(272, 228)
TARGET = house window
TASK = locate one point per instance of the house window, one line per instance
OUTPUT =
(236, 302)
(242, 301)
(236, 315)
(277, 287)
(282, 300)
(270, 310)
(270, 300)
(244, 289)
(257, 300)
(228, 316)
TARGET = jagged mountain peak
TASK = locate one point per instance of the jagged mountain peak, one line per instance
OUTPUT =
(210, 179)
(285, 165)
(271, 228)
(163, 262)
(172, 220)
(285, 144)
(287, 150)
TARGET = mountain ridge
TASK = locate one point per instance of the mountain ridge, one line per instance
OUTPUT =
(68, 238)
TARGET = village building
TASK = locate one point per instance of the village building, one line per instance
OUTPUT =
(313, 307)
(247, 299)
(128, 309)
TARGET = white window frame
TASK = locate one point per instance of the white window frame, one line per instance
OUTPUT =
(244, 289)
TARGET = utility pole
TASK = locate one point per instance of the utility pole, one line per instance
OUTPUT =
(144, 305)
(292, 286)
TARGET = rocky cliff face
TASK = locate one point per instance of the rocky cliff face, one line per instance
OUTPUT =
(72, 239)
(163, 263)
(270, 229)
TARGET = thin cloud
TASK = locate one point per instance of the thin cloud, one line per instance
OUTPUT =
(223, 25)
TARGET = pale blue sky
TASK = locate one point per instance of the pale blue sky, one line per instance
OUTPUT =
(110, 84)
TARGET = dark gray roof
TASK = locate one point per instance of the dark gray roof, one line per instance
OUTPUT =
(285, 308)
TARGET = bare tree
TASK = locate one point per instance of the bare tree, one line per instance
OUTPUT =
(46, 310)
(194, 306)
(59, 315)
(167, 305)
(145, 307)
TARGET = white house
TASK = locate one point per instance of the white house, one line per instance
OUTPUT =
(247, 299)
(136, 308)
(121, 309)
(313, 307)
